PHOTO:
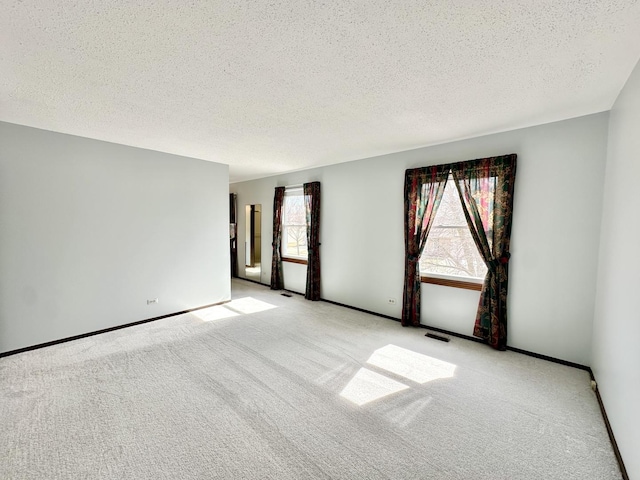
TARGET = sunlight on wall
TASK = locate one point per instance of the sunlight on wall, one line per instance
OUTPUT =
(414, 366)
(233, 308)
(367, 386)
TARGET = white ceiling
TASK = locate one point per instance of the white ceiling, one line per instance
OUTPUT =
(275, 86)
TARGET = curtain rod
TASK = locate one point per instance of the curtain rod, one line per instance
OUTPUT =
(300, 185)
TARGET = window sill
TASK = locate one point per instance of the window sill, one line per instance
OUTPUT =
(452, 283)
(301, 261)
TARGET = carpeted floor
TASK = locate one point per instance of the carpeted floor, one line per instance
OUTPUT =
(270, 387)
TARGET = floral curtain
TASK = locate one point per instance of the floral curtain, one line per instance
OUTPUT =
(277, 278)
(233, 239)
(485, 187)
(423, 189)
(312, 210)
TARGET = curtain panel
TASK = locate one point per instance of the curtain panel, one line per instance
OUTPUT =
(312, 210)
(277, 278)
(423, 189)
(485, 187)
(233, 232)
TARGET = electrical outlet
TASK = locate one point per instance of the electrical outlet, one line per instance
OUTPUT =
(391, 301)
(153, 300)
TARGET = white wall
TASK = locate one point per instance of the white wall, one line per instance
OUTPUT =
(558, 196)
(90, 230)
(616, 338)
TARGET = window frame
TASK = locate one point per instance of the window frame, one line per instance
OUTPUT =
(469, 283)
(287, 257)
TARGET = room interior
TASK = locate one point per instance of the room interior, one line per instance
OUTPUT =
(123, 129)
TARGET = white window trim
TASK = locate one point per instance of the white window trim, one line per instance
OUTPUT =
(291, 192)
(296, 257)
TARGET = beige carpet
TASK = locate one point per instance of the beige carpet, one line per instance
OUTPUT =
(270, 387)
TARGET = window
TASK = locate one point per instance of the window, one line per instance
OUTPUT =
(294, 228)
(450, 253)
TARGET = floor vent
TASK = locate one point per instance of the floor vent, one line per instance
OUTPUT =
(437, 337)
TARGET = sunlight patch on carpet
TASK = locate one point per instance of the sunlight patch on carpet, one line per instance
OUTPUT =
(411, 365)
(214, 313)
(233, 308)
(367, 386)
(249, 305)
(406, 414)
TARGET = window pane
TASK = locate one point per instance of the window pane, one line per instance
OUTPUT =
(294, 230)
(294, 213)
(295, 237)
(450, 249)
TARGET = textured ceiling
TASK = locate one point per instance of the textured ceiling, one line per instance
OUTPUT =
(275, 86)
